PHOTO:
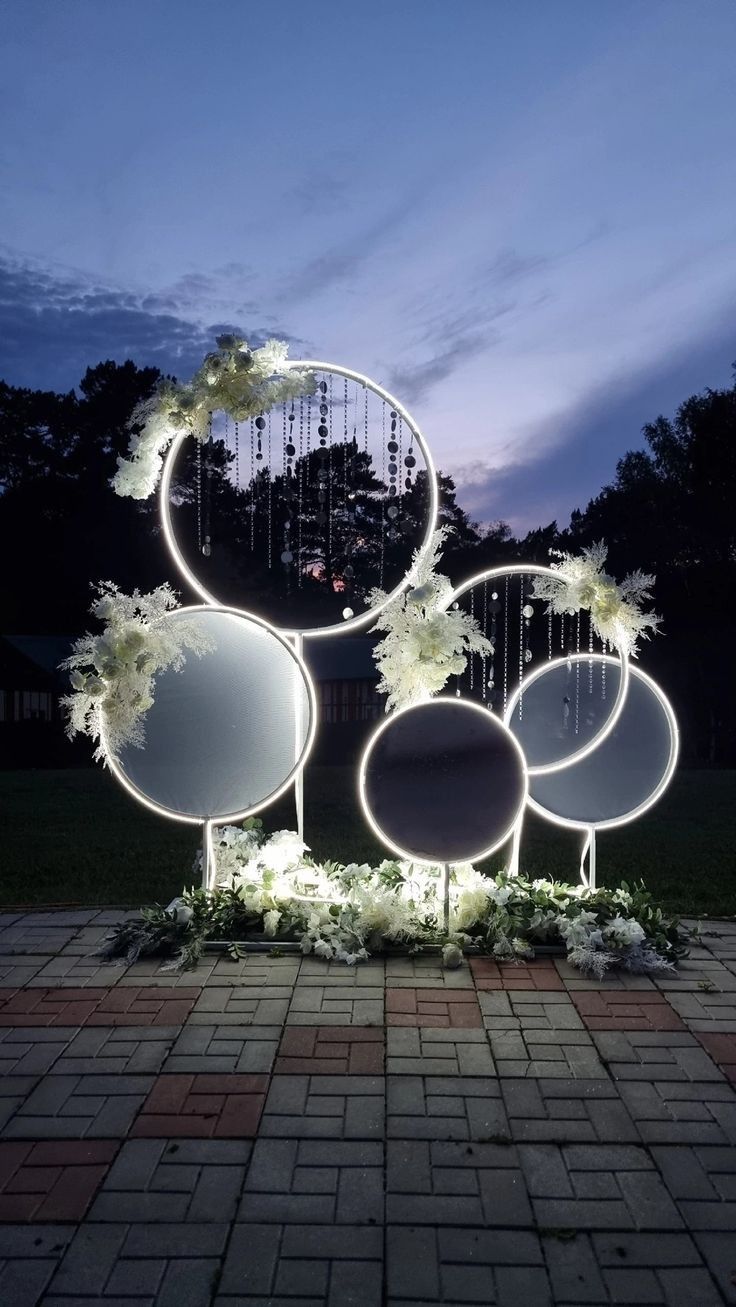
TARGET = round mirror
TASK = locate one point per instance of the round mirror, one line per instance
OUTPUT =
(443, 782)
(626, 773)
(566, 708)
(227, 732)
(299, 513)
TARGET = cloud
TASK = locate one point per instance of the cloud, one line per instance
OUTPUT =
(56, 323)
(346, 258)
(568, 460)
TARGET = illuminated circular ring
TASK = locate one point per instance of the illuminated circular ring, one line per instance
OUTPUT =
(535, 569)
(306, 748)
(353, 623)
(664, 780)
(384, 726)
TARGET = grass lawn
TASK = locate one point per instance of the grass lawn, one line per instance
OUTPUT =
(76, 837)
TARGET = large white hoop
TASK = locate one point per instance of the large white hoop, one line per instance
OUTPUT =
(352, 623)
(537, 569)
(300, 758)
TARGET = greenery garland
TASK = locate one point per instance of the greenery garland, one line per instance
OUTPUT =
(271, 888)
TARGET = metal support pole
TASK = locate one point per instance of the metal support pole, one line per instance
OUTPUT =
(515, 848)
(209, 867)
(446, 900)
(299, 782)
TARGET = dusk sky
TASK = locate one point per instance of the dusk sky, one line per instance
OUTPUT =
(519, 215)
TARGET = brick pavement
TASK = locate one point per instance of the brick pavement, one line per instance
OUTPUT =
(280, 1132)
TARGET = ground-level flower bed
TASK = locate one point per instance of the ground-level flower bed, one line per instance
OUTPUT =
(269, 887)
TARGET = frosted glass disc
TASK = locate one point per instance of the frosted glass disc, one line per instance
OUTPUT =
(229, 730)
(625, 773)
(443, 782)
(566, 707)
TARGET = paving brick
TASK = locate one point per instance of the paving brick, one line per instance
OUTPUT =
(572, 1111)
(261, 1257)
(216, 1048)
(722, 1048)
(89, 1260)
(425, 971)
(347, 1005)
(324, 1107)
(99, 1050)
(654, 1055)
(80, 1107)
(200, 1179)
(51, 1182)
(705, 1011)
(428, 1051)
(672, 1112)
(331, 1050)
(530, 1052)
(427, 1265)
(541, 974)
(454, 1184)
(95, 1007)
(308, 1180)
(719, 1254)
(611, 1009)
(456, 1008)
(241, 1005)
(573, 1269)
(326, 975)
(203, 1106)
(445, 1107)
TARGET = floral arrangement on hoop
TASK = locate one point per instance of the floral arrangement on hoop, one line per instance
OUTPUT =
(235, 378)
(112, 674)
(616, 608)
(272, 886)
(425, 642)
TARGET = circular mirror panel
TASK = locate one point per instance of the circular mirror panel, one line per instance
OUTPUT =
(565, 708)
(443, 782)
(227, 732)
(625, 773)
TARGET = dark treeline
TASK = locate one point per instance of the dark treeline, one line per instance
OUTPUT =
(670, 510)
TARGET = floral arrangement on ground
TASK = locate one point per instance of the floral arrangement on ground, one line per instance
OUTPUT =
(269, 887)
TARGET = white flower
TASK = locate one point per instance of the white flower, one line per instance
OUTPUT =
(625, 932)
(575, 930)
(452, 957)
(270, 921)
(323, 949)
(182, 912)
(283, 851)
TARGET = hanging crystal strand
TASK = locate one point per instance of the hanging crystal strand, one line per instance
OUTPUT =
(330, 505)
(300, 506)
(549, 635)
(365, 419)
(207, 546)
(483, 660)
(505, 644)
(237, 454)
(603, 671)
(562, 632)
(199, 495)
(384, 490)
(590, 651)
(269, 505)
(521, 646)
(252, 505)
(471, 659)
(289, 452)
(527, 613)
(394, 456)
(494, 607)
(577, 673)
